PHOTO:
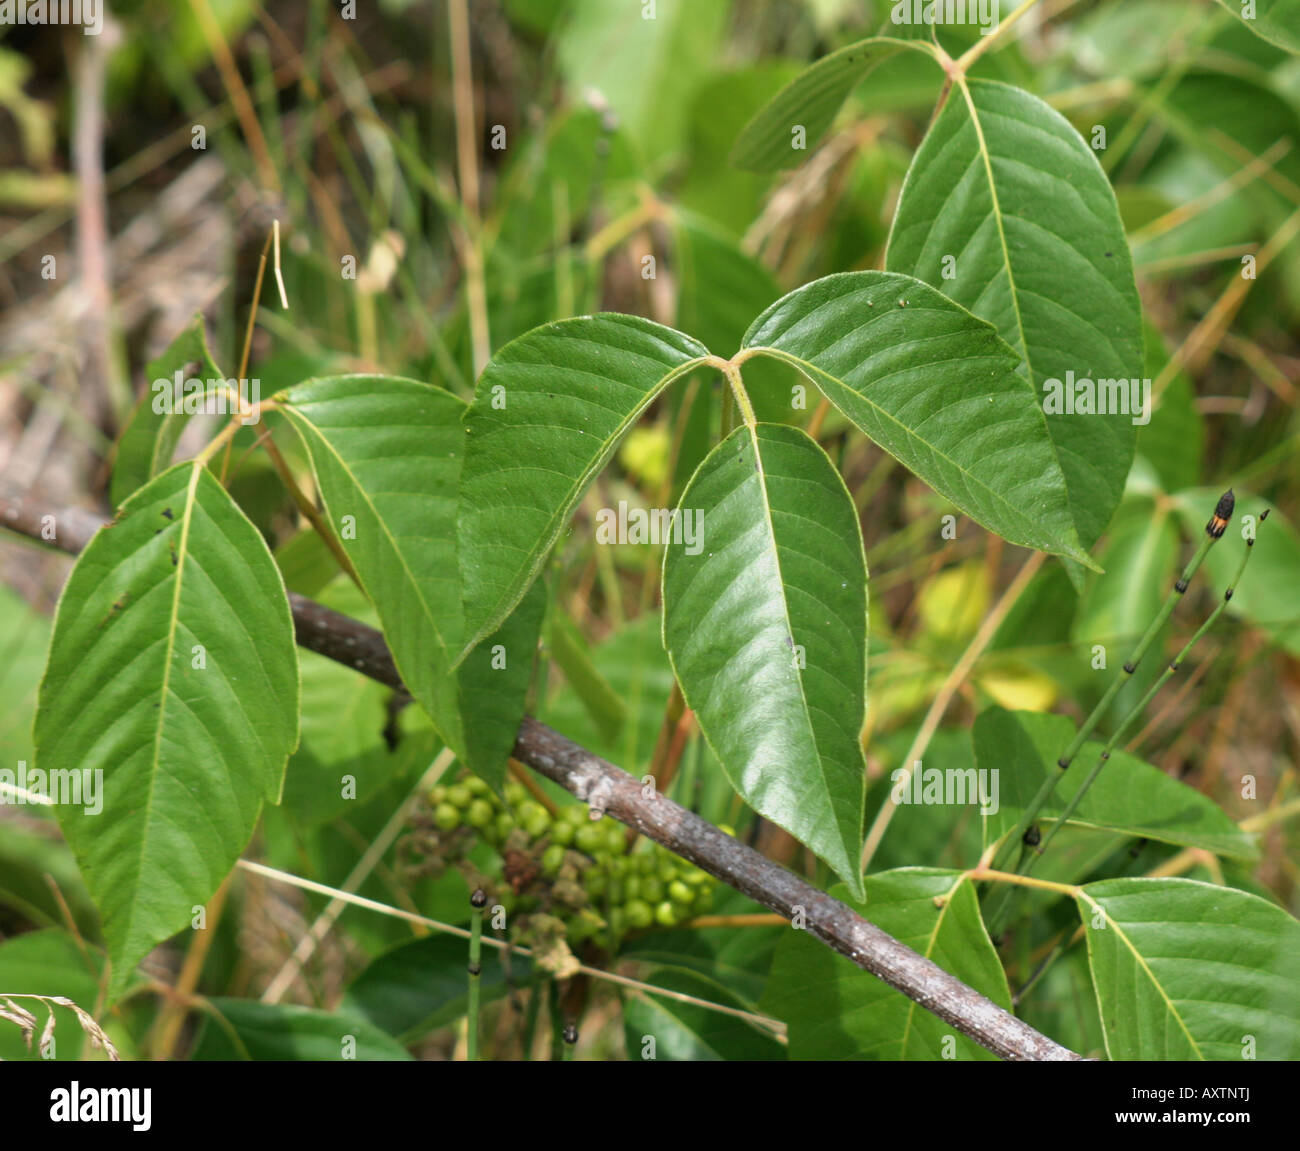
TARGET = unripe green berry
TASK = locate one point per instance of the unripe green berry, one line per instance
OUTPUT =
(616, 839)
(562, 832)
(477, 786)
(446, 817)
(460, 795)
(666, 914)
(589, 838)
(617, 866)
(668, 871)
(516, 793)
(534, 819)
(479, 813)
(552, 860)
(595, 881)
(652, 889)
(437, 795)
(575, 814)
(632, 887)
(505, 824)
(638, 913)
(679, 893)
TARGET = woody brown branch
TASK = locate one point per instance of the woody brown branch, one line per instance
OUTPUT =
(614, 792)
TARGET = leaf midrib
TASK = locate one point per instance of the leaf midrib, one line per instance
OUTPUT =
(408, 574)
(811, 371)
(1113, 924)
(557, 518)
(789, 627)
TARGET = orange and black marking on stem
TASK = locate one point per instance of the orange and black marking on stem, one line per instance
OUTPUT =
(1222, 514)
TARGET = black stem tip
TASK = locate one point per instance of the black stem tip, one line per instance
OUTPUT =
(1222, 514)
(479, 898)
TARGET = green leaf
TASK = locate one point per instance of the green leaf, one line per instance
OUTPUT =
(147, 442)
(937, 389)
(1129, 796)
(548, 413)
(720, 288)
(1140, 555)
(24, 641)
(766, 626)
(387, 455)
(1277, 21)
(172, 671)
(1189, 970)
(644, 69)
(1266, 597)
(686, 1031)
(569, 649)
(1141, 551)
(246, 1029)
(810, 101)
(1007, 211)
(835, 1010)
(417, 987)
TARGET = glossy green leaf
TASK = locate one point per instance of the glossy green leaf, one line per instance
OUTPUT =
(1277, 21)
(1006, 210)
(1189, 970)
(147, 442)
(772, 139)
(687, 1031)
(937, 389)
(1140, 557)
(720, 287)
(387, 455)
(1129, 796)
(241, 1029)
(835, 1010)
(172, 671)
(568, 648)
(548, 412)
(24, 639)
(645, 68)
(766, 627)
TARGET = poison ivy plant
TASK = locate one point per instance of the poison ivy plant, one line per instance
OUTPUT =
(171, 696)
(835, 1010)
(1188, 970)
(772, 607)
(798, 116)
(1129, 796)
(1277, 21)
(150, 437)
(998, 358)
(1007, 211)
(387, 454)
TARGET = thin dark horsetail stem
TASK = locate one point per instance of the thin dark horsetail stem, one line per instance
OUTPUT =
(1213, 533)
(1141, 706)
(477, 902)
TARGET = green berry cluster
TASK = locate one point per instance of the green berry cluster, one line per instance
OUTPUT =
(566, 865)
